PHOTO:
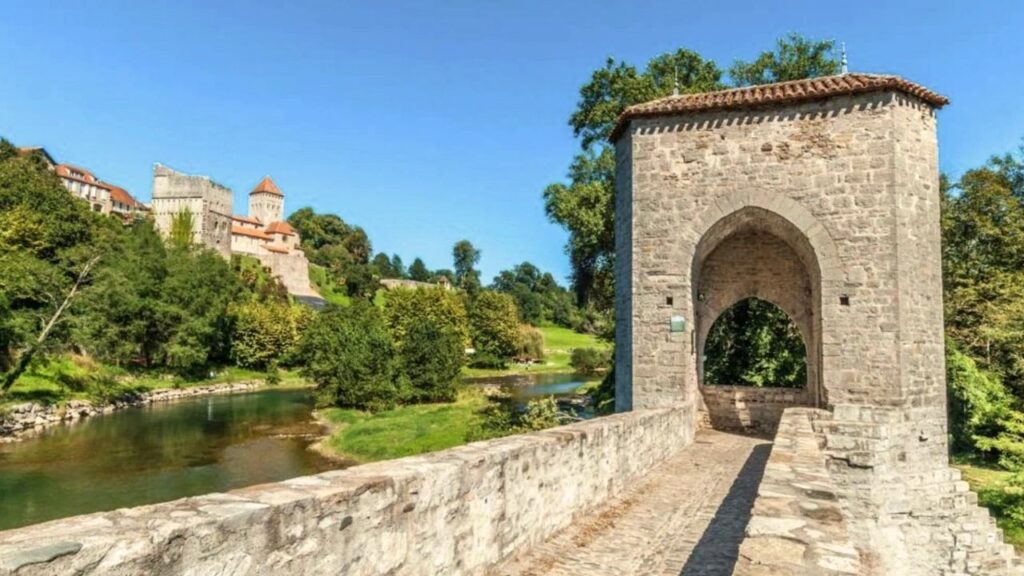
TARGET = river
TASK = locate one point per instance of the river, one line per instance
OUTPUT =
(171, 450)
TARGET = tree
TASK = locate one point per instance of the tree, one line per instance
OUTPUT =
(382, 264)
(754, 343)
(418, 271)
(397, 266)
(182, 234)
(430, 361)
(22, 363)
(465, 258)
(538, 296)
(406, 307)
(347, 353)
(358, 245)
(361, 280)
(795, 57)
(493, 324)
(264, 333)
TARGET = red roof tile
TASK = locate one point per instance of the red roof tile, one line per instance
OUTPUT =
(251, 232)
(267, 185)
(791, 92)
(118, 194)
(281, 228)
(247, 219)
(76, 173)
(275, 248)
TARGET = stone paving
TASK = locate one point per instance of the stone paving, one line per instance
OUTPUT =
(685, 518)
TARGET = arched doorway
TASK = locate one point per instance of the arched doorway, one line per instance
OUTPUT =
(754, 255)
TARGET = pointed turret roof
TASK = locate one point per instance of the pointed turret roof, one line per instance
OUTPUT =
(267, 185)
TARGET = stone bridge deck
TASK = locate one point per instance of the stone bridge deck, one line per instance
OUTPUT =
(687, 517)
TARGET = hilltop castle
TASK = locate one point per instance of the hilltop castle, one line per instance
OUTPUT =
(262, 234)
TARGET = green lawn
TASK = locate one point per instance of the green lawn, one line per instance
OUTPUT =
(990, 484)
(68, 377)
(558, 346)
(404, 431)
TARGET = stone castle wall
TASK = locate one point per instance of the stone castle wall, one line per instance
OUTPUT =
(209, 202)
(291, 269)
(455, 512)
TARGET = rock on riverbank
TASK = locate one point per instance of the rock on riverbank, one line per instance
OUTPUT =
(21, 421)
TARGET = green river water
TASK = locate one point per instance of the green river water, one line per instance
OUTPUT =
(171, 450)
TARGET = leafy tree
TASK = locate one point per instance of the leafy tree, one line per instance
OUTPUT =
(493, 324)
(406, 307)
(795, 57)
(430, 360)
(465, 258)
(754, 343)
(979, 404)
(418, 271)
(361, 281)
(538, 296)
(182, 233)
(264, 333)
(382, 264)
(358, 245)
(319, 230)
(397, 266)
(347, 353)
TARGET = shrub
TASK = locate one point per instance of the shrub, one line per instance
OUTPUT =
(502, 417)
(486, 361)
(531, 343)
(590, 360)
(347, 353)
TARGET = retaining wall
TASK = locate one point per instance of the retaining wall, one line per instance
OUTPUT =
(458, 511)
(749, 409)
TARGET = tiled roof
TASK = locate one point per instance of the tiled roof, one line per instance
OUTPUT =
(275, 248)
(281, 228)
(791, 92)
(118, 194)
(247, 219)
(251, 232)
(267, 185)
(76, 173)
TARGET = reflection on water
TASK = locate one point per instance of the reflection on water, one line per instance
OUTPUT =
(167, 451)
(158, 453)
(524, 388)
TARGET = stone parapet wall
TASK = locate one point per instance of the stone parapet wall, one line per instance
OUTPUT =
(797, 525)
(458, 511)
(749, 409)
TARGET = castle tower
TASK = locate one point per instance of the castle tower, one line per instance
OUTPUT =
(266, 202)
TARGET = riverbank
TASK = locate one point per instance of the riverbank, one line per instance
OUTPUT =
(26, 419)
(558, 346)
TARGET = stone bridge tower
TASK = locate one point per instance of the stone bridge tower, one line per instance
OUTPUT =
(822, 197)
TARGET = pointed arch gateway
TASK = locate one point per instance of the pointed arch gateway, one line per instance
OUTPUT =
(755, 252)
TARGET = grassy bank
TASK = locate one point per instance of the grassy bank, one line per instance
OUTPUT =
(558, 346)
(75, 378)
(403, 431)
(991, 485)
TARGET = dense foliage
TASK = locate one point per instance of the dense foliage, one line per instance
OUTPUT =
(754, 343)
(539, 298)
(348, 353)
(493, 324)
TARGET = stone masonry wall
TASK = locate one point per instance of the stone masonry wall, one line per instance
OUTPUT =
(749, 409)
(454, 512)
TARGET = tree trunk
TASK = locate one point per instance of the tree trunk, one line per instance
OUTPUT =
(22, 364)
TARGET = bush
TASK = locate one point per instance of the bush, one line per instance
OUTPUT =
(486, 361)
(979, 405)
(531, 343)
(590, 360)
(502, 417)
(347, 353)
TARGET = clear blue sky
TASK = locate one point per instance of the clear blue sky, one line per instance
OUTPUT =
(428, 122)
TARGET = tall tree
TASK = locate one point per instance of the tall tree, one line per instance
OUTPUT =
(418, 271)
(795, 57)
(398, 266)
(465, 258)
